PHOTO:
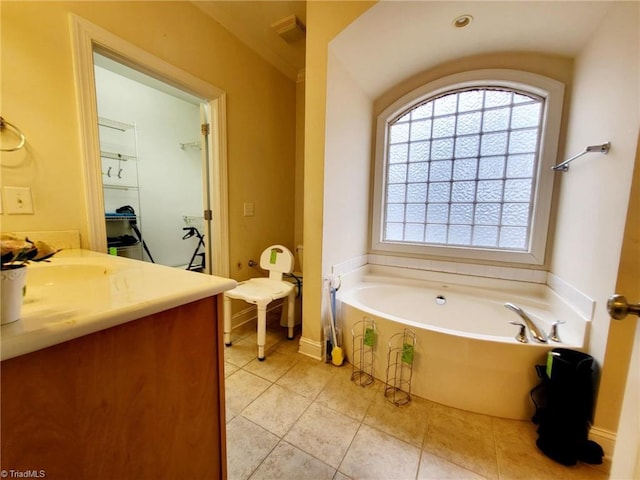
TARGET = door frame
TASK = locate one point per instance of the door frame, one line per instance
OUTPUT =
(87, 38)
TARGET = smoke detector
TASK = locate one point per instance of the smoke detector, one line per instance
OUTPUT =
(290, 28)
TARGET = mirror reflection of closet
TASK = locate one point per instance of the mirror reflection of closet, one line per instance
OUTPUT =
(119, 155)
(152, 166)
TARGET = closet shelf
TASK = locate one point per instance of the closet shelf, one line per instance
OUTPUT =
(112, 217)
(127, 248)
(116, 156)
(118, 187)
(107, 122)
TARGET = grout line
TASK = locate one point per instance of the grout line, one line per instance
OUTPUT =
(495, 447)
(424, 440)
(349, 448)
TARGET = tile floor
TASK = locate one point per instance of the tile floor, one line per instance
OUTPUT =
(291, 417)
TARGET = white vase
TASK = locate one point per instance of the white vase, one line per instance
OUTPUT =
(12, 291)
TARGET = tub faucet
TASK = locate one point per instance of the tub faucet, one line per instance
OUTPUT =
(536, 332)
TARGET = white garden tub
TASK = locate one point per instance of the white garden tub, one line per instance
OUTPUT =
(466, 353)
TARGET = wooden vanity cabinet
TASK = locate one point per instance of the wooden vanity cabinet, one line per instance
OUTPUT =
(141, 400)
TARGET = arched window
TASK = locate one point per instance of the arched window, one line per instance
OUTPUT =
(463, 167)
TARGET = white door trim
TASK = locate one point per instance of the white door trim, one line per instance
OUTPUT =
(88, 37)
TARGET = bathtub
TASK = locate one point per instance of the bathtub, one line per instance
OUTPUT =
(466, 353)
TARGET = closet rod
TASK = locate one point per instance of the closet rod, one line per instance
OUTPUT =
(564, 166)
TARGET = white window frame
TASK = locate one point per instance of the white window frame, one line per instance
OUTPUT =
(553, 93)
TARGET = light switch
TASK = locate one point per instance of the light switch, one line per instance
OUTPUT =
(249, 209)
(17, 200)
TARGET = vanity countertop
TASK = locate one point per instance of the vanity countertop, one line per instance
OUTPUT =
(80, 292)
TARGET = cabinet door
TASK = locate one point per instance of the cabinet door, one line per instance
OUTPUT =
(144, 399)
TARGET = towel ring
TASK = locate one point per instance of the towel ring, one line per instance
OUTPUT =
(16, 130)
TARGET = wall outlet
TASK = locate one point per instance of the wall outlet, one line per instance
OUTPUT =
(18, 201)
(249, 209)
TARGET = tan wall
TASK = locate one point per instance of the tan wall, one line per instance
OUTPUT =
(299, 170)
(347, 168)
(594, 194)
(38, 95)
(324, 21)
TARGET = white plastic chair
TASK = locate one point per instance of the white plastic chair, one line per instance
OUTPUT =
(262, 291)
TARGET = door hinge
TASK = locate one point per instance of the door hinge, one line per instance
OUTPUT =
(208, 215)
(205, 128)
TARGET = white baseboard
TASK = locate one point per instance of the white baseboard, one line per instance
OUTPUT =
(311, 348)
(250, 314)
(243, 316)
(605, 438)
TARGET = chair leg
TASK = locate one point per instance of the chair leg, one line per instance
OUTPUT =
(262, 330)
(291, 313)
(227, 321)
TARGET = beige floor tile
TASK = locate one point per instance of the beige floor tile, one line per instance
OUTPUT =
(376, 455)
(519, 458)
(242, 388)
(272, 338)
(406, 422)
(273, 366)
(247, 446)
(288, 346)
(463, 438)
(291, 463)
(433, 467)
(341, 476)
(241, 331)
(344, 396)
(456, 445)
(277, 409)
(241, 352)
(307, 377)
(229, 368)
(323, 433)
(230, 415)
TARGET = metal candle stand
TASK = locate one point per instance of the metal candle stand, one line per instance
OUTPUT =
(364, 335)
(400, 367)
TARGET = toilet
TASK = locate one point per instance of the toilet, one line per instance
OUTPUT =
(295, 278)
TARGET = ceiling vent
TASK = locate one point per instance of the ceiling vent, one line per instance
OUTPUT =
(290, 28)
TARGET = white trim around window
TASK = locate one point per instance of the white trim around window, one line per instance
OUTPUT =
(550, 90)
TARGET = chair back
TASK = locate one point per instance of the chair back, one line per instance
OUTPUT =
(277, 260)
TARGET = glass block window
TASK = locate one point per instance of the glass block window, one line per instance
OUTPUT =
(460, 170)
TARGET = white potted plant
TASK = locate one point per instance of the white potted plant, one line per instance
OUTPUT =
(16, 254)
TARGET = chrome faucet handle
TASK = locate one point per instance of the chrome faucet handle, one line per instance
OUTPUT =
(522, 334)
(553, 335)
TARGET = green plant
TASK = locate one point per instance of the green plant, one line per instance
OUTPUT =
(17, 252)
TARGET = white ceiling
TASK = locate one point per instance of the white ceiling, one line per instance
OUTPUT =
(100, 61)
(395, 40)
(250, 22)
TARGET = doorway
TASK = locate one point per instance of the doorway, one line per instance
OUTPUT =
(209, 101)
